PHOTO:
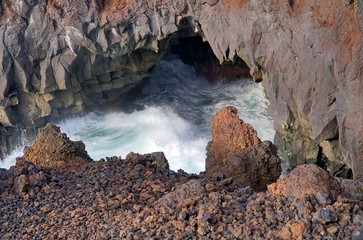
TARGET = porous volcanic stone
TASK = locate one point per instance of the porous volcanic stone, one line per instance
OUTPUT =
(230, 135)
(237, 152)
(307, 179)
(54, 149)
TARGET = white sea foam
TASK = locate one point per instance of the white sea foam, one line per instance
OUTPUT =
(171, 113)
(10, 160)
(152, 129)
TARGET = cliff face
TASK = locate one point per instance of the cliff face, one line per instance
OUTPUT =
(61, 56)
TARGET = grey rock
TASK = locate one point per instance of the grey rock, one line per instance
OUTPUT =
(357, 234)
(21, 184)
(358, 218)
(325, 216)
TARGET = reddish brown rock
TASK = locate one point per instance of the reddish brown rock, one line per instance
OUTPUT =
(156, 158)
(54, 149)
(307, 179)
(121, 199)
(256, 166)
(230, 135)
(237, 152)
(294, 230)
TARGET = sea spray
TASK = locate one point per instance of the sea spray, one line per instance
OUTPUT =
(170, 113)
(152, 129)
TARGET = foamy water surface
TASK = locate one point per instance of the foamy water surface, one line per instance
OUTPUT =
(171, 113)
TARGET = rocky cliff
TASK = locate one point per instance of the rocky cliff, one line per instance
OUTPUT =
(59, 57)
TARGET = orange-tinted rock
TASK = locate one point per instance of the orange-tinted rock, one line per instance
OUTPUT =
(237, 152)
(294, 230)
(230, 135)
(304, 180)
(54, 149)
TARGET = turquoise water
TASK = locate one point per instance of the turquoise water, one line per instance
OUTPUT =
(170, 113)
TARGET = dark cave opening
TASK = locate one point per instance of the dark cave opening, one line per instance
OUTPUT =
(198, 53)
(193, 51)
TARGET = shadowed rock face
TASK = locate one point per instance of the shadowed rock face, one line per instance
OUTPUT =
(61, 56)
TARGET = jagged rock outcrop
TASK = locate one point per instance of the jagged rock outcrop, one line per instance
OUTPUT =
(52, 148)
(230, 135)
(60, 56)
(236, 152)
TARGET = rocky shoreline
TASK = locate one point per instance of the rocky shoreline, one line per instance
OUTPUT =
(139, 197)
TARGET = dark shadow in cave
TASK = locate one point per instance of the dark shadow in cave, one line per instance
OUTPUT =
(194, 51)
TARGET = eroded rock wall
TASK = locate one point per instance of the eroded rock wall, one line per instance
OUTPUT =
(60, 56)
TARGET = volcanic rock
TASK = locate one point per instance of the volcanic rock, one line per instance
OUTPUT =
(140, 198)
(230, 135)
(54, 149)
(255, 166)
(307, 179)
(351, 189)
(28, 177)
(157, 158)
(294, 230)
(324, 215)
(4, 176)
(185, 195)
(60, 57)
(237, 152)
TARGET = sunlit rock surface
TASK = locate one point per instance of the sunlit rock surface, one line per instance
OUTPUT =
(235, 151)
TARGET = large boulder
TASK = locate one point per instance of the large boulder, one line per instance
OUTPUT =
(54, 149)
(307, 179)
(237, 152)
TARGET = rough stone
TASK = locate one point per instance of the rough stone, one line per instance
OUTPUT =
(186, 195)
(324, 216)
(357, 234)
(230, 135)
(20, 184)
(307, 179)
(156, 158)
(294, 230)
(255, 166)
(54, 149)
(351, 189)
(236, 152)
(313, 83)
(117, 198)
